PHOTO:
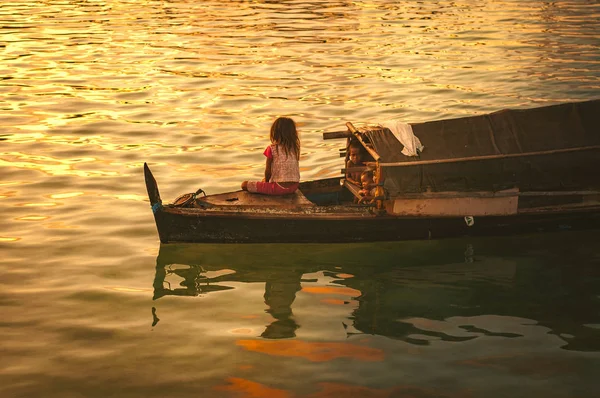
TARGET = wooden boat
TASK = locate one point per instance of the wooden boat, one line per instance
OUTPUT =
(512, 171)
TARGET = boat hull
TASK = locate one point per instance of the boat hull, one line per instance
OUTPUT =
(293, 221)
(179, 225)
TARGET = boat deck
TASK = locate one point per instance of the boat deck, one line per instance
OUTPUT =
(245, 198)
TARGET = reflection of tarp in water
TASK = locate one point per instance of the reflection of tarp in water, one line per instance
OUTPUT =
(508, 132)
(550, 279)
(434, 292)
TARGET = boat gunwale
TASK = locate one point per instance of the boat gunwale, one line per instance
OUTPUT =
(300, 212)
(253, 212)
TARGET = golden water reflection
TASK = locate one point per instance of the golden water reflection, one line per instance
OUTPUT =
(65, 195)
(32, 218)
(313, 351)
(51, 166)
(92, 90)
(9, 239)
(248, 388)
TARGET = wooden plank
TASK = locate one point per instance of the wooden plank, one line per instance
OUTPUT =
(336, 134)
(488, 194)
(367, 147)
(355, 169)
(559, 193)
(353, 189)
(570, 208)
(245, 198)
(457, 194)
(242, 213)
(484, 157)
(447, 207)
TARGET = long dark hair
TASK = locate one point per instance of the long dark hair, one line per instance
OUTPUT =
(284, 133)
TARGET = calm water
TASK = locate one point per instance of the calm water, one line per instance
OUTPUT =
(93, 305)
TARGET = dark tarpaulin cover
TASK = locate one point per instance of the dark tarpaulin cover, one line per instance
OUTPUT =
(572, 125)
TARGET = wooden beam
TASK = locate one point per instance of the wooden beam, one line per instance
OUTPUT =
(457, 194)
(336, 134)
(452, 207)
(356, 169)
(368, 148)
(490, 194)
(484, 157)
(354, 190)
(559, 193)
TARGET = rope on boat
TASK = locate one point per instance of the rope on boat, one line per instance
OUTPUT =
(156, 207)
(187, 198)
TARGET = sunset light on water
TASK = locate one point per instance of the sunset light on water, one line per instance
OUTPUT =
(93, 305)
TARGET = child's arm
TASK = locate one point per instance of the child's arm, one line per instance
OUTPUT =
(268, 169)
(269, 154)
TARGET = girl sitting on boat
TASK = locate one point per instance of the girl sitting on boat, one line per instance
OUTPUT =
(282, 171)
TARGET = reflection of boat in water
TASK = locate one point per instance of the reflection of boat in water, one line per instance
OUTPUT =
(507, 172)
(194, 282)
(402, 290)
(280, 291)
(198, 277)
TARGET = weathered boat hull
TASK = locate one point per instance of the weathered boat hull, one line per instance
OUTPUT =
(202, 227)
(338, 223)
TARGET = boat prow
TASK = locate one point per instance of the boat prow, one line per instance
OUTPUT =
(151, 187)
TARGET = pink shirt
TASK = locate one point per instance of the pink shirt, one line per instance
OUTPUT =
(285, 168)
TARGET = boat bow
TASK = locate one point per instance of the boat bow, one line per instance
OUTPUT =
(152, 188)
